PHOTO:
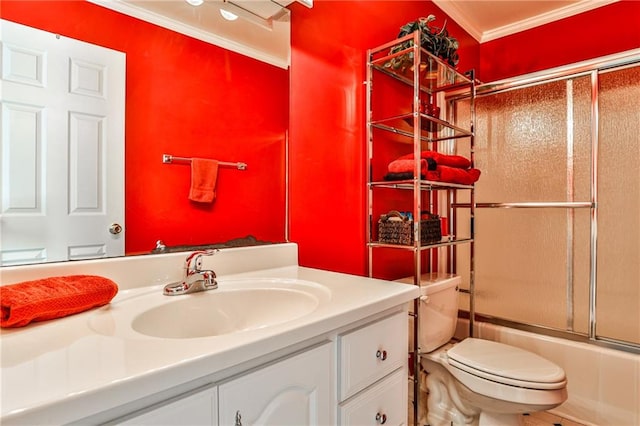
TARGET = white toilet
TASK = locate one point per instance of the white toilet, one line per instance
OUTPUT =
(475, 381)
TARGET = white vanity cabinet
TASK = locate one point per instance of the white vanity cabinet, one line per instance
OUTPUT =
(358, 376)
(295, 391)
(373, 373)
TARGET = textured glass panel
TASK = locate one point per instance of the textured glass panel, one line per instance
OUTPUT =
(521, 144)
(581, 271)
(532, 265)
(462, 266)
(521, 269)
(522, 275)
(618, 264)
(579, 146)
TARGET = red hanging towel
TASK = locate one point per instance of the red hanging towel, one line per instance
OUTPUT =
(204, 174)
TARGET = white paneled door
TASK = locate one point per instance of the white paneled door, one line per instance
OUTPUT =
(62, 149)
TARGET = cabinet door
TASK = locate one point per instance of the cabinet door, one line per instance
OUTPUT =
(196, 409)
(296, 391)
(383, 403)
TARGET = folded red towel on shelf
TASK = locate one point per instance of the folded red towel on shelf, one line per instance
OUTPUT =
(453, 175)
(442, 159)
(434, 166)
(204, 174)
(53, 297)
(404, 166)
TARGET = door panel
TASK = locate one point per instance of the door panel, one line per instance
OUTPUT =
(293, 392)
(62, 147)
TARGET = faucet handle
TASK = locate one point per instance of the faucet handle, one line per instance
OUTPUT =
(209, 281)
(196, 258)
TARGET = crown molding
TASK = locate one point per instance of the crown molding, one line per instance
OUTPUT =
(460, 17)
(545, 18)
(466, 22)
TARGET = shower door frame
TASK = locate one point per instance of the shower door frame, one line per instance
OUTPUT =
(592, 69)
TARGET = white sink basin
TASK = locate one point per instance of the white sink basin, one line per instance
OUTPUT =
(236, 306)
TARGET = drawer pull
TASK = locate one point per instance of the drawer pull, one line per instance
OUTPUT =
(381, 418)
(381, 355)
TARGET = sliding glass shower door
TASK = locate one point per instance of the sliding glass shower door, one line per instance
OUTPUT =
(558, 220)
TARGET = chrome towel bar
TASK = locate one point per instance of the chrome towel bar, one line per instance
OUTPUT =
(168, 159)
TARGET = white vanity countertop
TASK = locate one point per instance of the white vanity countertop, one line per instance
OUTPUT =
(60, 371)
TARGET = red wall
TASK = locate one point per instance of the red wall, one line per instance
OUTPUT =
(327, 130)
(327, 108)
(599, 32)
(327, 121)
(187, 98)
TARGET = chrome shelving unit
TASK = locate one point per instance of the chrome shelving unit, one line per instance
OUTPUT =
(403, 79)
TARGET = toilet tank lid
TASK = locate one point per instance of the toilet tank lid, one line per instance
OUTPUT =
(434, 282)
(506, 361)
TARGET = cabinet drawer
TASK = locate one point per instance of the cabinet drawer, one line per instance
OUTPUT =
(383, 403)
(370, 353)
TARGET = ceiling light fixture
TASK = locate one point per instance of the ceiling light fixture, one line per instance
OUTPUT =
(228, 15)
(195, 2)
(247, 14)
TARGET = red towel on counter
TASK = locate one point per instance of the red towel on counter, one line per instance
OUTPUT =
(453, 175)
(204, 174)
(53, 297)
(442, 159)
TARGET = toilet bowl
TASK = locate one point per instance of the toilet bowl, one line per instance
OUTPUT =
(476, 381)
(488, 383)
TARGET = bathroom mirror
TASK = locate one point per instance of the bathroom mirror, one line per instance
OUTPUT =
(189, 98)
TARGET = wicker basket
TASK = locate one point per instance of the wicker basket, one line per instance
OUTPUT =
(394, 231)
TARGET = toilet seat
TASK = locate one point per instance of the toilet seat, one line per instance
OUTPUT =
(506, 365)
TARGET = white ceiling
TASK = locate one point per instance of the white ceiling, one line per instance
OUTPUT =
(261, 32)
(484, 19)
(490, 19)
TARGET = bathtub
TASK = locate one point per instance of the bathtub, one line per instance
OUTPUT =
(604, 384)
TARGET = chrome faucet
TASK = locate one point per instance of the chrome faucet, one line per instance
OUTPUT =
(195, 279)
